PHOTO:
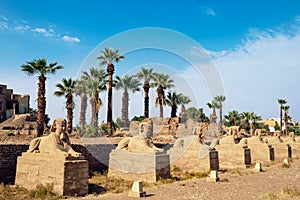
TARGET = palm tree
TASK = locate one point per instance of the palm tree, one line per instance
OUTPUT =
(107, 58)
(147, 75)
(233, 117)
(95, 81)
(183, 100)
(254, 119)
(220, 99)
(67, 88)
(41, 68)
(81, 90)
(213, 105)
(286, 110)
(126, 83)
(172, 101)
(281, 102)
(246, 116)
(162, 82)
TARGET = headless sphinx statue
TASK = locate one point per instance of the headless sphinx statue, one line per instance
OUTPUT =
(142, 143)
(57, 142)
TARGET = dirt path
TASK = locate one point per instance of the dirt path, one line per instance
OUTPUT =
(236, 184)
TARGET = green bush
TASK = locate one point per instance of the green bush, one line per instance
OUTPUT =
(139, 119)
(10, 134)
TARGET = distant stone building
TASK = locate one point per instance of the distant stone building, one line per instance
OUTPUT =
(12, 104)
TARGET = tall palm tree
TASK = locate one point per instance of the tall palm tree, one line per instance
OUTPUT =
(220, 99)
(233, 117)
(67, 88)
(247, 117)
(254, 119)
(126, 83)
(81, 90)
(172, 101)
(213, 105)
(147, 75)
(281, 102)
(286, 110)
(107, 58)
(162, 82)
(95, 81)
(183, 100)
(41, 68)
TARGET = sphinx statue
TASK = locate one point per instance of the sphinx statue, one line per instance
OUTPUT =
(57, 142)
(141, 143)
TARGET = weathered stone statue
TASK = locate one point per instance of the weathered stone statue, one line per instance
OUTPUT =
(57, 142)
(138, 159)
(142, 142)
(51, 159)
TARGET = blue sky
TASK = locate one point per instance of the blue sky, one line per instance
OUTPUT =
(254, 45)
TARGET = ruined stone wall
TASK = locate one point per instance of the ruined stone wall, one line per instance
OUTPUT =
(8, 161)
(10, 152)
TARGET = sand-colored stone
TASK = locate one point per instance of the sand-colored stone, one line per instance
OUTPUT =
(192, 156)
(137, 190)
(69, 175)
(146, 167)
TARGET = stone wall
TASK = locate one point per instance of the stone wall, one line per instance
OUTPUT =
(8, 161)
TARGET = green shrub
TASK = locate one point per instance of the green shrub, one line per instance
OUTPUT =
(139, 119)
(10, 134)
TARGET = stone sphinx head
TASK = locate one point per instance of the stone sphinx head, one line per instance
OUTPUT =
(146, 129)
(59, 127)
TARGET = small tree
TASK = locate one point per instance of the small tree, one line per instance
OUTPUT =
(281, 102)
(173, 101)
(67, 88)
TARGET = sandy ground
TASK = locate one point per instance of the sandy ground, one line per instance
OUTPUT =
(235, 184)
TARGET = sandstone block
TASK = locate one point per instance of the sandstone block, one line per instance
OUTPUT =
(69, 175)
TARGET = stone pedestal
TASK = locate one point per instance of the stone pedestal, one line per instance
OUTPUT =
(213, 176)
(247, 157)
(146, 167)
(137, 190)
(69, 175)
(258, 167)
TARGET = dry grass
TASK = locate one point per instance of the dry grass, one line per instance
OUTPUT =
(292, 192)
(8, 192)
(100, 184)
(271, 196)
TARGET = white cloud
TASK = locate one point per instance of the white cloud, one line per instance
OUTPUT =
(261, 70)
(2, 17)
(3, 25)
(22, 28)
(70, 39)
(40, 30)
(208, 11)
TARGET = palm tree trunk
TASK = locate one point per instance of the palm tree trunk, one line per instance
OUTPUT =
(183, 114)
(280, 119)
(69, 105)
(173, 111)
(93, 118)
(146, 101)
(110, 71)
(286, 123)
(254, 126)
(41, 105)
(221, 121)
(161, 110)
(83, 107)
(124, 113)
(161, 98)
